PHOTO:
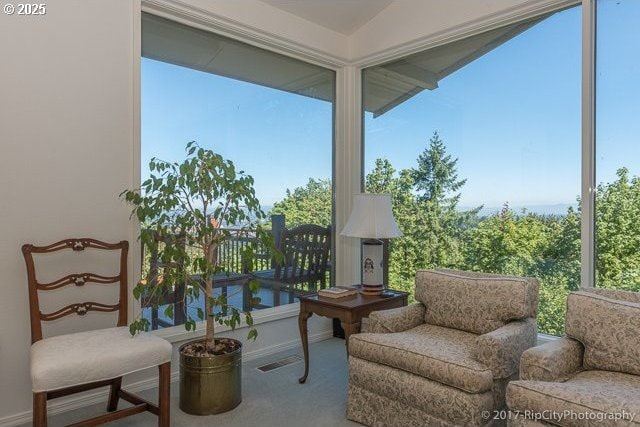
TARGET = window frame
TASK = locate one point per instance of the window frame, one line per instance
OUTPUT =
(348, 137)
(187, 16)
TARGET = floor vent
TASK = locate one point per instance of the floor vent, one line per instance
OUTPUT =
(280, 363)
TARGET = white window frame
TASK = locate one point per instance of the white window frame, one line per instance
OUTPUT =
(198, 18)
(348, 131)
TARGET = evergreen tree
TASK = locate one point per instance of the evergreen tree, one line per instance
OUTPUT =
(439, 225)
(436, 175)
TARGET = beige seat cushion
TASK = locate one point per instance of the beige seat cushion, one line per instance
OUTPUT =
(85, 357)
(587, 394)
(402, 399)
(440, 354)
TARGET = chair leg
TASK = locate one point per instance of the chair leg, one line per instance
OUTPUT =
(164, 395)
(40, 409)
(114, 394)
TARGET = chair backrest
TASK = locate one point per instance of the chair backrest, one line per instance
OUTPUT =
(305, 250)
(607, 323)
(475, 302)
(77, 279)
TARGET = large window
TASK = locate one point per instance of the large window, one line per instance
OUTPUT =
(617, 245)
(479, 143)
(270, 114)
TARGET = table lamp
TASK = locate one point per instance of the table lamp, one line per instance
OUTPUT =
(372, 219)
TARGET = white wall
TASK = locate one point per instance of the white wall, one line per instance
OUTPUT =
(66, 148)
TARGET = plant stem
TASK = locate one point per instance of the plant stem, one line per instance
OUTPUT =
(212, 256)
(209, 314)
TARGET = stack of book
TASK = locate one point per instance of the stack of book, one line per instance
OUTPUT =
(337, 292)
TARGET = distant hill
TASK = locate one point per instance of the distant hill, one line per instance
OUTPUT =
(553, 209)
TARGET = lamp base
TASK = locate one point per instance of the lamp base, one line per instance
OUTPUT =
(372, 267)
(371, 289)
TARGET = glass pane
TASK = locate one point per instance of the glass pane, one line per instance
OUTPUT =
(271, 115)
(617, 145)
(479, 143)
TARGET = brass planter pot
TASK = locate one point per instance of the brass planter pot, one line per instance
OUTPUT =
(212, 384)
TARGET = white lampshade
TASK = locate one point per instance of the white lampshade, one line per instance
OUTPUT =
(371, 218)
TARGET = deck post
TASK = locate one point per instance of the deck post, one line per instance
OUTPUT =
(277, 227)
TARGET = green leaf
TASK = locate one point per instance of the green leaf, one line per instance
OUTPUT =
(168, 311)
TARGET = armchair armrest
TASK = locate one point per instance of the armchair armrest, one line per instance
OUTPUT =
(556, 360)
(500, 350)
(396, 319)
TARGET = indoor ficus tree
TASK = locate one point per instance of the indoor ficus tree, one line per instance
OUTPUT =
(185, 210)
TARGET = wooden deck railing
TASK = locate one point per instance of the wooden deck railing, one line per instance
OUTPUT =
(229, 258)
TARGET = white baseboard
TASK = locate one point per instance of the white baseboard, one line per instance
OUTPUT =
(71, 403)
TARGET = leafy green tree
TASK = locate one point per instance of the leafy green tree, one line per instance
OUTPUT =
(618, 233)
(528, 244)
(438, 234)
(507, 243)
(308, 204)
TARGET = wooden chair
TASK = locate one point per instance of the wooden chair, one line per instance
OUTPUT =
(71, 363)
(305, 249)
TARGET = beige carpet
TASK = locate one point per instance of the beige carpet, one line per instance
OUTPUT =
(273, 398)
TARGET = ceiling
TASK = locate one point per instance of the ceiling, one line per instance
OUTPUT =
(343, 16)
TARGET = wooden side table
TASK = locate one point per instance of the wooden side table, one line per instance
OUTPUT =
(350, 310)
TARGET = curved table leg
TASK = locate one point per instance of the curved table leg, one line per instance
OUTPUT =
(304, 336)
(349, 329)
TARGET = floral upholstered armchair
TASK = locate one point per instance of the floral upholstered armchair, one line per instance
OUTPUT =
(590, 377)
(446, 359)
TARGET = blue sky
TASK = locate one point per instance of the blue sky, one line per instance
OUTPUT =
(512, 117)
(279, 138)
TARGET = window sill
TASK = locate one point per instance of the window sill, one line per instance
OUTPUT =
(545, 338)
(178, 333)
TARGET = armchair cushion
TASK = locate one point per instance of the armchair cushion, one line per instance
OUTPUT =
(475, 302)
(439, 354)
(85, 357)
(587, 394)
(396, 319)
(613, 345)
(384, 397)
(556, 360)
(500, 350)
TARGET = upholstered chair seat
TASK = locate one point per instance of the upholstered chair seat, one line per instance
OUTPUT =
(444, 360)
(86, 357)
(590, 377)
(433, 352)
(79, 361)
